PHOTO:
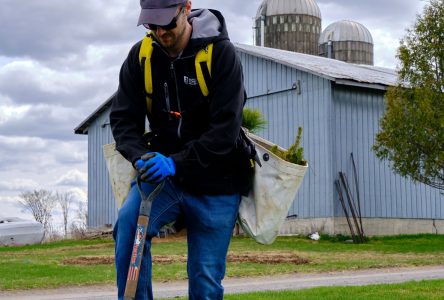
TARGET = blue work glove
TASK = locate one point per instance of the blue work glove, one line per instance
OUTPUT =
(155, 167)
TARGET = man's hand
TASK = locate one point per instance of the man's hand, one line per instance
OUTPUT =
(155, 167)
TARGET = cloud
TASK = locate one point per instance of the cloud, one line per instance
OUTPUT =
(10, 207)
(73, 178)
(79, 195)
(377, 11)
(45, 29)
(30, 82)
(18, 185)
(40, 159)
(248, 8)
(42, 121)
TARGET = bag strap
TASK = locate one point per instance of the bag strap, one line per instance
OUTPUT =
(146, 50)
(203, 63)
(250, 148)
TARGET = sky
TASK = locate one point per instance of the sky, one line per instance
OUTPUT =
(59, 60)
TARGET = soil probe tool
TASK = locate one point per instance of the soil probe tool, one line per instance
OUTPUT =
(139, 239)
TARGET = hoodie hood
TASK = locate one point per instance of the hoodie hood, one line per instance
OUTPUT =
(208, 26)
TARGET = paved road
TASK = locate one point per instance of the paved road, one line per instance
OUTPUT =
(239, 285)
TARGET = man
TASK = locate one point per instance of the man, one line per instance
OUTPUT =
(195, 139)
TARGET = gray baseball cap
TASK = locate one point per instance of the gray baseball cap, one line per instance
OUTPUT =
(159, 12)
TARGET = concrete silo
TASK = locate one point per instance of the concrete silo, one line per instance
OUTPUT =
(293, 25)
(348, 41)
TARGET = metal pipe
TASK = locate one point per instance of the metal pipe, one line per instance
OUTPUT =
(350, 203)
(341, 199)
(355, 175)
(330, 49)
(262, 30)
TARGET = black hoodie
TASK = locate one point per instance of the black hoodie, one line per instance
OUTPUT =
(203, 140)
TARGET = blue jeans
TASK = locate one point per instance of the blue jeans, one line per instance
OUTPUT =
(210, 222)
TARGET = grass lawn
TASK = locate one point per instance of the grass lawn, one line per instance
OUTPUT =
(432, 289)
(91, 261)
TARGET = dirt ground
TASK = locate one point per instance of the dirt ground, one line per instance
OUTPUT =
(254, 257)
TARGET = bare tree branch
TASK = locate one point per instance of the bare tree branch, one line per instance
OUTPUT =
(41, 204)
(64, 200)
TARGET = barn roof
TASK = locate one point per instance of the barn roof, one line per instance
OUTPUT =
(83, 127)
(332, 69)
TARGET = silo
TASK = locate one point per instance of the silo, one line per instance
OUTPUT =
(293, 25)
(348, 41)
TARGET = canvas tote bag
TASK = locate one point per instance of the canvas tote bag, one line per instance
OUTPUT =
(275, 184)
(120, 171)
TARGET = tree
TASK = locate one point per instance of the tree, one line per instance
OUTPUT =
(64, 200)
(40, 203)
(412, 128)
(253, 120)
(80, 224)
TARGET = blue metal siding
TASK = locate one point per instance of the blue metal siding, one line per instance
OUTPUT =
(285, 111)
(384, 194)
(102, 208)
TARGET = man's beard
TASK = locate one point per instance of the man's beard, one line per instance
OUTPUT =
(171, 40)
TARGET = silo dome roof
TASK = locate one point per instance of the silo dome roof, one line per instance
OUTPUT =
(346, 31)
(288, 7)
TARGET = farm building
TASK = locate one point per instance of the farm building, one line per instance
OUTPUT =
(288, 25)
(348, 41)
(338, 105)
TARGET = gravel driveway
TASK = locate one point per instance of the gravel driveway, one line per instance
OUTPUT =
(238, 285)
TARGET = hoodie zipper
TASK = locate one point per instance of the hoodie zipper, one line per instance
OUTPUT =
(173, 74)
(167, 99)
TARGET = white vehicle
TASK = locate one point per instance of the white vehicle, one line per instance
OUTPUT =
(16, 231)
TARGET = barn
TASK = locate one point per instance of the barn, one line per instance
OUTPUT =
(339, 106)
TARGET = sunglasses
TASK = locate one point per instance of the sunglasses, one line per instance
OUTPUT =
(169, 26)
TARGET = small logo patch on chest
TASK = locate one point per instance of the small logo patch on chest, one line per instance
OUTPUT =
(189, 81)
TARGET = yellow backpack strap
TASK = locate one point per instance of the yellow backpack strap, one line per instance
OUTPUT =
(203, 59)
(146, 50)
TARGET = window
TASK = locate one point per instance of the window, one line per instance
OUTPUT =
(282, 19)
(274, 19)
(293, 26)
(286, 27)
